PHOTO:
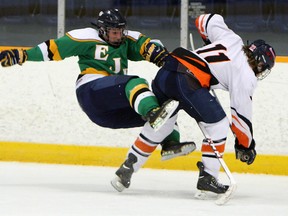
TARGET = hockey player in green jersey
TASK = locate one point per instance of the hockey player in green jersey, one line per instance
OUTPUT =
(105, 92)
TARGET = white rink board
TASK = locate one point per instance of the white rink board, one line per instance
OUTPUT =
(38, 104)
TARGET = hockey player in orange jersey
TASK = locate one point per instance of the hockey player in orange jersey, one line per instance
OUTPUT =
(188, 76)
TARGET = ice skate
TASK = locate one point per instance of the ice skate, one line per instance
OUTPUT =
(174, 149)
(158, 116)
(207, 182)
(123, 176)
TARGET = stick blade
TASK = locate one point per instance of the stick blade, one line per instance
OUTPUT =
(224, 198)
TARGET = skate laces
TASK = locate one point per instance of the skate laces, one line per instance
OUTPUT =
(217, 183)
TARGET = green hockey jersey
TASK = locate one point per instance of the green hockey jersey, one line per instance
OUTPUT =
(95, 55)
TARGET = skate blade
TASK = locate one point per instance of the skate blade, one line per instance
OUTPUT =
(160, 121)
(224, 198)
(201, 195)
(185, 150)
(116, 183)
(221, 199)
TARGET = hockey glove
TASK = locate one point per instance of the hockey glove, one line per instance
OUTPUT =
(12, 57)
(246, 155)
(155, 53)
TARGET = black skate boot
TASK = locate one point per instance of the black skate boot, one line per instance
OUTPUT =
(124, 174)
(172, 149)
(207, 182)
(158, 116)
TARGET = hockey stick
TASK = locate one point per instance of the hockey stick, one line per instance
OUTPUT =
(224, 198)
(191, 41)
(232, 188)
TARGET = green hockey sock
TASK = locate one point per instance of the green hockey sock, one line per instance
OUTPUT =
(141, 99)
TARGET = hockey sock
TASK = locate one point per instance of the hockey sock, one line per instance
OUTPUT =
(141, 99)
(148, 140)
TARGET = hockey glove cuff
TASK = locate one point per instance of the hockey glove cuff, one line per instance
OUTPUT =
(12, 57)
(246, 155)
(155, 53)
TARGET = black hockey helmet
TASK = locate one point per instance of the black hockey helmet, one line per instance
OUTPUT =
(108, 19)
(264, 56)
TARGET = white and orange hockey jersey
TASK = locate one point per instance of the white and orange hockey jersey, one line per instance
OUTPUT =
(229, 65)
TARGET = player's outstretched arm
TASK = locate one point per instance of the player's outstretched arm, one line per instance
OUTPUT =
(12, 57)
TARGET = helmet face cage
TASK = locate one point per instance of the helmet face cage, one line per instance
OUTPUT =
(108, 20)
(264, 55)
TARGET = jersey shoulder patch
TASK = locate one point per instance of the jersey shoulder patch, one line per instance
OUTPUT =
(134, 35)
(85, 34)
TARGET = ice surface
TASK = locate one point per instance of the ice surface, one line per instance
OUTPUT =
(28, 189)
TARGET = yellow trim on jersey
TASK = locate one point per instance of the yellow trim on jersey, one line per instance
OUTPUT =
(114, 156)
(142, 49)
(134, 90)
(94, 71)
(54, 49)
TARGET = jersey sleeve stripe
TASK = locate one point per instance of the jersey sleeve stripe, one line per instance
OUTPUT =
(239, 131)
(44, 50)
(53, 51)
